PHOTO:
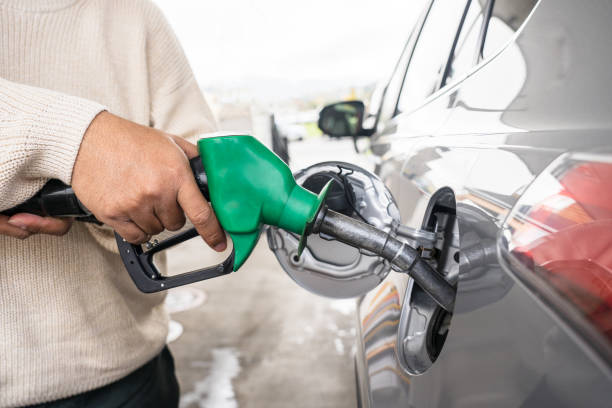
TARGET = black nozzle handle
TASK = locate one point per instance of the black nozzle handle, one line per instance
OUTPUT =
(57, 199)
(141, 266)
(361, 235)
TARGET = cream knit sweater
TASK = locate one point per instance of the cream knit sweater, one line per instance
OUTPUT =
(71, 320)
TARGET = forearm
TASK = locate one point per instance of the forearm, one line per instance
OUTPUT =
(40, 135)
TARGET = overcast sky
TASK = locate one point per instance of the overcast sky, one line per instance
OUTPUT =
(238, 43)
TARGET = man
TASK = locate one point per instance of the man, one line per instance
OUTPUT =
(73, 327)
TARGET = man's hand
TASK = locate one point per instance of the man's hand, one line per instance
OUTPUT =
(21, 226)
(138, 181)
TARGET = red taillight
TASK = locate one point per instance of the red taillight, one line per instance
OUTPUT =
(561, 229)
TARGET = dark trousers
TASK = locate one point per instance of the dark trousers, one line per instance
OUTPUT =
(152, 385)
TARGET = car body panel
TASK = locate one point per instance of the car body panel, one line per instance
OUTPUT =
(487, 137)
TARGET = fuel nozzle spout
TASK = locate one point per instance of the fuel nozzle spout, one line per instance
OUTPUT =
(403, 257)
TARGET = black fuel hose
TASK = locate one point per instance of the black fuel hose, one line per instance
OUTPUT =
(54, 199)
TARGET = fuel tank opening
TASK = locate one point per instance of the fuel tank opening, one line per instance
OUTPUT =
(340, 197)
(327, 266)
(424, 325)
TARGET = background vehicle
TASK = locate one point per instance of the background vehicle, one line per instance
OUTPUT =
(494, 135)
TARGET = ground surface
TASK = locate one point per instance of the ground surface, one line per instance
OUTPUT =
(260, 340)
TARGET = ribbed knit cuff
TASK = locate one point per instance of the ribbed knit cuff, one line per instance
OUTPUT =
(57, 132)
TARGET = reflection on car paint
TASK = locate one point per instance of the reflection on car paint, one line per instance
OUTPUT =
(379, 317)
(561, 230)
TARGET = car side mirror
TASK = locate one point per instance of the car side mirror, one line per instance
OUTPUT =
(343, 119)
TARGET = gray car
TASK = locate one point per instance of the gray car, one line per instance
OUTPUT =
(494, 136)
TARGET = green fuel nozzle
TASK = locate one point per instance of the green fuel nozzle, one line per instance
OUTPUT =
(249, 187)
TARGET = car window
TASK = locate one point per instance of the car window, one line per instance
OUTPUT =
(465, 54)
(431, 53)
(506, 18)
(391, 92)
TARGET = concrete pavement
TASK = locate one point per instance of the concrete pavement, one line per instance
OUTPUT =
(260, 340)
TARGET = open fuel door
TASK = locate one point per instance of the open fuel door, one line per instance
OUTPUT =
(328, 267)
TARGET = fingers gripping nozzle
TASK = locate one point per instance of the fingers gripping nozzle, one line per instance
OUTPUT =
(405, 258)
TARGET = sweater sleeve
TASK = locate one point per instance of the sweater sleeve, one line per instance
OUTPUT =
(40, 135)
(177, 104)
